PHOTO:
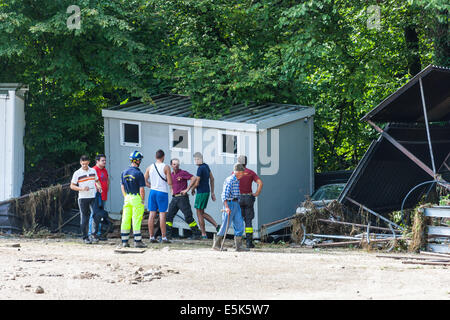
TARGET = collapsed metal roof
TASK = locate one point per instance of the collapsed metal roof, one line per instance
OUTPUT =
(409, 150)
(180, 106)
(405, 105)
(385, 175)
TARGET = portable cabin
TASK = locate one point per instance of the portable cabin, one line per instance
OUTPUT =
(276, 138)
(12, 128)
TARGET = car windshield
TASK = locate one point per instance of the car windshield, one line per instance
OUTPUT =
(328, 192)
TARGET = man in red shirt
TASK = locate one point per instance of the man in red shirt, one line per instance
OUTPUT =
(100, 198)
(247, 198)
(180, 199)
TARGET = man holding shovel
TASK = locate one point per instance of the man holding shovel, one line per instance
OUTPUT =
(231, 210)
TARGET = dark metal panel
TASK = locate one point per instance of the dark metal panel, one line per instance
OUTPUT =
(251, 113)
(280, 112)
(405, 105)
(239, 111)
(385, 175)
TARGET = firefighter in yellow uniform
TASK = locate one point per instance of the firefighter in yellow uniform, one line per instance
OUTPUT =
(132, 184)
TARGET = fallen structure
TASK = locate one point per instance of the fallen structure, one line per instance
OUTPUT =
(412, 153)
(409, 159)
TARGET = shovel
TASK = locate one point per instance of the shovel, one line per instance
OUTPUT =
(226, 230)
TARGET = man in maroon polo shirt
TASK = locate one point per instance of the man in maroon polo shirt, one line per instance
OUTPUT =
(180, 199)
(247, 199)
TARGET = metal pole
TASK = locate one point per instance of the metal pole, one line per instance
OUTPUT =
(427, 124)
(353, 224)
(445, 163)
(404, 150)
(374, 213)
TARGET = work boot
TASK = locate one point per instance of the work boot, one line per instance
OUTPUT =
(238, 244)
(196, 233)
(217, 242)
(249, 240)
(169, 232)
(153, 240)
(125, 245)
(139, 244)
(94, 239)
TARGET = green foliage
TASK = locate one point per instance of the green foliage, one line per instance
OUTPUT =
(73, 74)
(319, 53)
(445, 201)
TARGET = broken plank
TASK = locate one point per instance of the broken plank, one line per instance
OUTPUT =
(413, 258)
(129, 250)
(427, 253)
(427, 263)
(12, 245)
(337, 244)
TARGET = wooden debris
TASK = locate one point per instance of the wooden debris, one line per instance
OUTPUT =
(39, 290)
(35, 260)
(129, 250)
(12, 245)
(427, 263)
(345, 243)
(413, 258)
(444, 255)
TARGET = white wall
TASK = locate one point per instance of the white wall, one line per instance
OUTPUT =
(12, 126)
(156, 136)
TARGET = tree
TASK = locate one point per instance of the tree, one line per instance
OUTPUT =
(73, 73)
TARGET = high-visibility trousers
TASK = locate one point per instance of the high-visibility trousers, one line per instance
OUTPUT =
(133, 212)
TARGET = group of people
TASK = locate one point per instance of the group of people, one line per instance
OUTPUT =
(92, 185)
(237, 198)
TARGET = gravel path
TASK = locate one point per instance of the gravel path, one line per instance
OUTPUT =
(68, 269)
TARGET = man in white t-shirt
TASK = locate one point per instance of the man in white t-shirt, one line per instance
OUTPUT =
(158, 199)
(85, 181)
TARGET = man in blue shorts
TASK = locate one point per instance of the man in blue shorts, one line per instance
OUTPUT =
(158, 200)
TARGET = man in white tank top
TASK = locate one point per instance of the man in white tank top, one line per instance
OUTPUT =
(158, 200)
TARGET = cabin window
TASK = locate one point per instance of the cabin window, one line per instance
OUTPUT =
(228, 143)
(180, 138)
(130, 134)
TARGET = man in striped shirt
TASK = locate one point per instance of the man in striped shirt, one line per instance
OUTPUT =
(231, 209)
(85, 181)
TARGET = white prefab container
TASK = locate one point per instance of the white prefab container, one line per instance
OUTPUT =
(12, 127)
(276, 138)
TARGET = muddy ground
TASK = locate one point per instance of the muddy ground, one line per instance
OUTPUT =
(68, 269)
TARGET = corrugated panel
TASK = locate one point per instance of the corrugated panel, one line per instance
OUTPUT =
(180, 106)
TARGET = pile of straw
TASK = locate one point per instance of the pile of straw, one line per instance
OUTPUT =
(311, 223)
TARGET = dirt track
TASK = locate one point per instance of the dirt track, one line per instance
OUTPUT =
(68, 269)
